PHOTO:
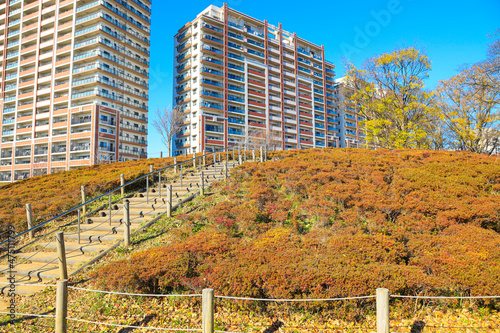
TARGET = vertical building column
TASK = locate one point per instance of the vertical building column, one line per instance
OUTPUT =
(70, 91)
(4, 63)
(323, 64)
(35, 87)
(266, 60)
(225, 72)
(296, 55)
(268, 99)
(94, 150)
(117, 136)
(282, 84)
(202, 125)
(4, 66)
(52, 93)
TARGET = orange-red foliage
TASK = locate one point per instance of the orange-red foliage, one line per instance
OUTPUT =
(333, 223)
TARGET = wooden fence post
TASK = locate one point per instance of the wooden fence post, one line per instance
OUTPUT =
(122, 182)
(202, 179)
(253, 155)
(261, 155)
(181, 175)
(62, 306)
(61, 253)
(84, 200)
(194, 161)
(79, 220)
(207, 311)
(29, 217)
(126, 222)
(382, 310)
(169, 200)
(175, 164)
(159, 184)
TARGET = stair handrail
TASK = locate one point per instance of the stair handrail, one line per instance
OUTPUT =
(10, 239)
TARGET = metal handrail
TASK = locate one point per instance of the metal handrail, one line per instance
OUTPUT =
(112, 191)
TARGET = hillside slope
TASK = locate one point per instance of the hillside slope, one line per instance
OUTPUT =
(334, 223)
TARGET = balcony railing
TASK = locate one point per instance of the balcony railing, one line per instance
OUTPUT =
(211, 27)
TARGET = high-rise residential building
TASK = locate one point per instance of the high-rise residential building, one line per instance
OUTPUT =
(242, 80)
(74, 84)
(351, 133)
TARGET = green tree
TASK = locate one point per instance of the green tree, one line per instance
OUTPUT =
(390, 95)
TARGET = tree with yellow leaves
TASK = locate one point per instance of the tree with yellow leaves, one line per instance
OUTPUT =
(470, 105)
(390, 95)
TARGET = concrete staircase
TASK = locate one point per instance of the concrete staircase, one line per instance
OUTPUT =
(101, 234)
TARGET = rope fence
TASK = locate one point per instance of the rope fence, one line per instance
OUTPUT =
(208, 314)
(296, 299)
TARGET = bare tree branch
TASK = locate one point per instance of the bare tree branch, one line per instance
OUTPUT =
(168, 124)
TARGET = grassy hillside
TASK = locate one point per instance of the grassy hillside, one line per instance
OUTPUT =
(314, 223)
(52, 194)
(334, 223)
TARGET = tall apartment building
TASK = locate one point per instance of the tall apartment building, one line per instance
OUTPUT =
(74, 84)
(351, 133)
(239, 79)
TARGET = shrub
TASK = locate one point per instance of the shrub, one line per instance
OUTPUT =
(335, 223)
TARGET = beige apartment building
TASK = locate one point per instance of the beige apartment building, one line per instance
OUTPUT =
(74, 84)
(239, 79)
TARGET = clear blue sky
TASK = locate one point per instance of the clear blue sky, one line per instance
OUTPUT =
(451, 32)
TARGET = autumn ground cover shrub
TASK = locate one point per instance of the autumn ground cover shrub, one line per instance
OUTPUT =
(334, 223)
(53, 194)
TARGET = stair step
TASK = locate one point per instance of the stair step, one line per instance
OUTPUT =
(85, 248)
(106, 227)
(35, 271)
(105, 220)
(175, 196)
(95, 236)
(74, 258)
(20, 290)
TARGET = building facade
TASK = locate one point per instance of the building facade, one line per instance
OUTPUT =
(236, 83)
(74, 84)
(351, 134)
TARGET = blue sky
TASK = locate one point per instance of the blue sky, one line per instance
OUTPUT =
(452, 33)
